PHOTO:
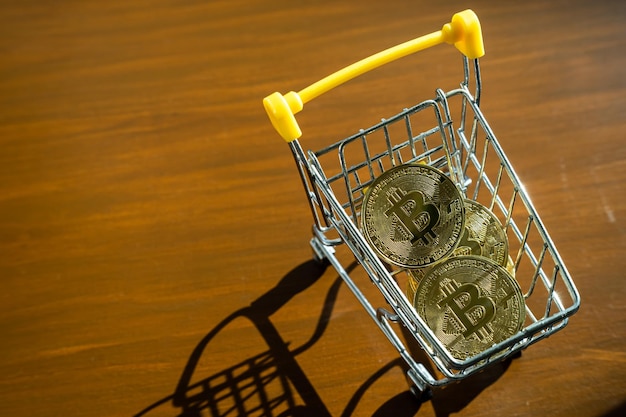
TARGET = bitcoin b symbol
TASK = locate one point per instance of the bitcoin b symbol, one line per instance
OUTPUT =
(472, 310)
(414, 215)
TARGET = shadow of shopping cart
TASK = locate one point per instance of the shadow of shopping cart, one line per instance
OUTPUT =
(270, 382)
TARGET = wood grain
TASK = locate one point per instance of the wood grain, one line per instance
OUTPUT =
(154, 232)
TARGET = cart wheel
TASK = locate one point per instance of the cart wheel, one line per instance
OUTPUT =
(322, 261)
(421, 396)
(319, 252)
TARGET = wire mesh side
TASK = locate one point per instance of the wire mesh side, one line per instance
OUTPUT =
(534, 261)
(414, 135)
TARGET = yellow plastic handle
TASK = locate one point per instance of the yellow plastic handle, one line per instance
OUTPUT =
(463, 31)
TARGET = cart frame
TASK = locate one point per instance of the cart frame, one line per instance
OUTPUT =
(459, 142)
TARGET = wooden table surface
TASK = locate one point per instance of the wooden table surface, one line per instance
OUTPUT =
(154, 255)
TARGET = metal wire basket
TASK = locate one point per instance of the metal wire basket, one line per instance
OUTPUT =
(448, 132)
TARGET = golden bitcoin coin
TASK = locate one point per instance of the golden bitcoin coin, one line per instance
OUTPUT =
(483, 234)
(413, 215)
(470, 303)
(415, 277)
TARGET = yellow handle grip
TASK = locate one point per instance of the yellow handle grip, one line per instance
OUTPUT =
(463, 31)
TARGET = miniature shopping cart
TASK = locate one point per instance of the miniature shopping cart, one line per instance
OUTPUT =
(450, 133)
